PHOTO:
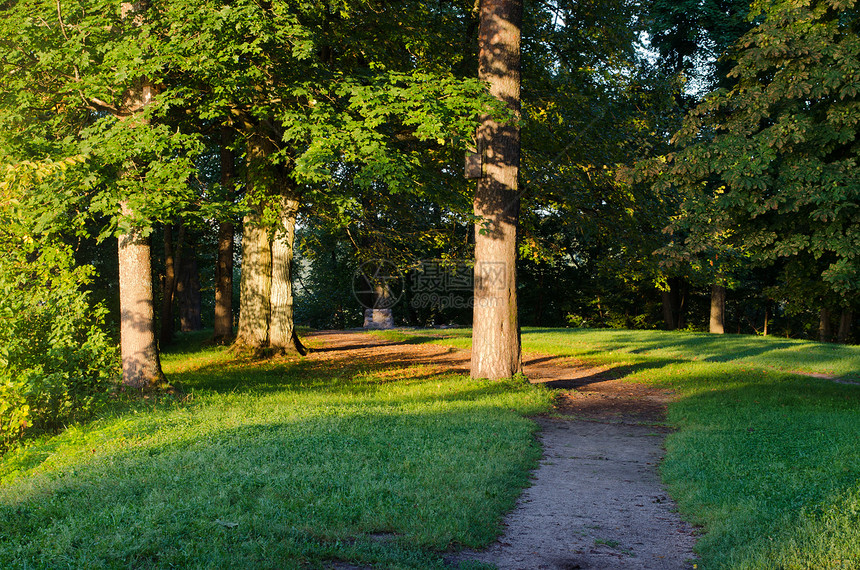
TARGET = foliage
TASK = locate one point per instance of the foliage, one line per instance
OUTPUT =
(56, 362)
(771, 164)
(326, 269)
(693, 37)
(592, 105)
(276, 464)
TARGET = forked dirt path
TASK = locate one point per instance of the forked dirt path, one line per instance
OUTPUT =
(596, 501)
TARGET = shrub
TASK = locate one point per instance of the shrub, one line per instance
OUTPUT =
(56, 361)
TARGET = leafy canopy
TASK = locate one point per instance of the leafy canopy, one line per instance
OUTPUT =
(773, 161)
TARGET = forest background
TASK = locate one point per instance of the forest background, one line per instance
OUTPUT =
(685, 165)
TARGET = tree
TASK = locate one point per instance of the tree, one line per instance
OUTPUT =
(495, 325)
(141, 366)
(774, 158)
(693, 37)
(223, 321)
(334, 99)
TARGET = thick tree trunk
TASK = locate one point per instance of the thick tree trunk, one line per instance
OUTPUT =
(668, 313)
(266, 303)
(825, 332)
(495, 326)
(223, 322)
(141, 367)
(844, 326)
(718, 309)
(255, 285)
(673, 304)
(281, 326)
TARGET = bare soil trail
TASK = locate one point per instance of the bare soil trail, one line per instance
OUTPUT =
(596, 501)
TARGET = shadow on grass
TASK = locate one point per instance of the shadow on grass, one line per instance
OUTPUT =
(619, 372)
(278, 494)
(340, 366)
(761, 352)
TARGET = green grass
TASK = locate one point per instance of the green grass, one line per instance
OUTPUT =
(766, 461)
(611, 345)
(290, 463)
(277, 464)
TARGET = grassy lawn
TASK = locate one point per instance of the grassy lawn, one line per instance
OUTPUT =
(612, 346)
(298, 463)
(766, 461)
(278, 464)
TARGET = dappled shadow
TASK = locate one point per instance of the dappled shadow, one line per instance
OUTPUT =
(313, 486)
(762, 352)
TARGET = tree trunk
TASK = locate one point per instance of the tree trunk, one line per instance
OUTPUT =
(495, 328)
(668, 313)
(825, 333)
(281, 326)
(141, 367)
(166, 334)
(844, 326)
(673, 304)
(188, 293)
(718, 309)
(266, 288)
(223, 322)
(255, 286)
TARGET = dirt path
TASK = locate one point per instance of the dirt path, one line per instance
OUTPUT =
(597, 501)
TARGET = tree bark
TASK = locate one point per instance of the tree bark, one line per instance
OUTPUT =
(223, 321)
(825, 332)
(281, 325)
(496, 351)
(141, 367)
(266, 303)
(718, 309)
(255, 286)
(188, 293)
(844, 326)
(169, 286)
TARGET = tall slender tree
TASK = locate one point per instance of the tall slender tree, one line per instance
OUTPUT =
(495, 330)
(141, 366)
